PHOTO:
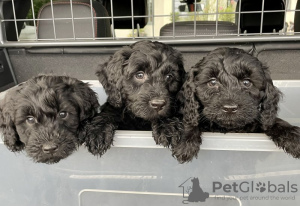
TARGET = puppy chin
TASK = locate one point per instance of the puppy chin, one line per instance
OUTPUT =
(229, 124)
(35, 152)
(41, 157)
(232, 121)
(48, 159)
(151, 114)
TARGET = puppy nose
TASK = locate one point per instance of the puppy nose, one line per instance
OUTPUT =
(230, 108)
(157, 104)
(49, 148)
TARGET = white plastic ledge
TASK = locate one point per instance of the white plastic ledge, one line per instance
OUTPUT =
(211, 141)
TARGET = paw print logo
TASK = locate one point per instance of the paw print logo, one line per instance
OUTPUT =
(261, 187)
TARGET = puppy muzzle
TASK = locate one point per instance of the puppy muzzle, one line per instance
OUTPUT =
(49, 148)
(157, 104)
(230, 109)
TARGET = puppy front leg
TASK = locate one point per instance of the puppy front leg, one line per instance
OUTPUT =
(167, 131)
(285, 136)
(99, 132)
(189, 145)
(11, 139)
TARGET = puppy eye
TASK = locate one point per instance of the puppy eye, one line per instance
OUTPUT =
(212, 83)
(63, 115)
(30, 120)
(247, 83)
(169, 77)
(140, 75)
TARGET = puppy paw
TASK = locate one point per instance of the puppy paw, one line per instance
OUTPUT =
(186, 151)
(15, 146)
(11, 140)
(285, 136)
(167, 132)
(188, 146)
(290, 141)
(98, 138)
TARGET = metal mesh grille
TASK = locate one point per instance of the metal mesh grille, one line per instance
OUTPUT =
(176, 21)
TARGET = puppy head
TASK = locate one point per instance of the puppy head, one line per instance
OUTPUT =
(144, 77)
(44, 116)
(230, 88)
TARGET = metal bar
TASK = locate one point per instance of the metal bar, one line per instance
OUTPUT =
(112, 19)
(15, 19)
(33, 15)
(239, 19)
(173, 19)
(208, 37)
(178, 37)
(10, 65)
(67, 18)
(92, 15)
(217, 17)
(132, 19)
(219, 39)
(78, 38)
(2, 26)
(72, 15)
(153, 19)
(286, 3)
(262, 16)
(70, 18)
(195, 22)
(54, 31)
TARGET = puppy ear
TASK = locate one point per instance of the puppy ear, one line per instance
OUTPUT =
(188, 97)
(87, 100)
(10, 136)
(269, 104)
(110, 75)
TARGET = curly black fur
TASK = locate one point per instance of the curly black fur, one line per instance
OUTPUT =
(135, 78)
(231, 91)
(46, 116)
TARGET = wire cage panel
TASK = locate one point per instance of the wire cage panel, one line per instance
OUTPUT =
(113, 22)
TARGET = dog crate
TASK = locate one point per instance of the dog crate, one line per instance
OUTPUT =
(39, 35)
(74, 37)
(120, 22)
(232, 169)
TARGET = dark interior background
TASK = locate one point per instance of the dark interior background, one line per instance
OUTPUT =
(282, 59)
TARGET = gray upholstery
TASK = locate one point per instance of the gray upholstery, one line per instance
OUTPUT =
(82, 27)
(202, 28)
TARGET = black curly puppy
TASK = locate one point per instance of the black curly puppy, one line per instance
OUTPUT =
(46, 116)
(141, 81)
(231, 91)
